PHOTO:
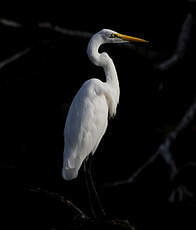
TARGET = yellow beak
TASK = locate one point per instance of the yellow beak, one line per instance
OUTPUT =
(130, 38)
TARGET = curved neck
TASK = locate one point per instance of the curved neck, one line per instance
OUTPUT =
(103, 60)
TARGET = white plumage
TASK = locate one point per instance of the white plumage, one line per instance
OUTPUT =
(87, 118)
(85, 125)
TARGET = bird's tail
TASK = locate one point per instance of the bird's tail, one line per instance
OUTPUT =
(71, 167)
(69, 173)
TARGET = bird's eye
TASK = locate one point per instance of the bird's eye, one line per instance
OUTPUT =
(113, 36)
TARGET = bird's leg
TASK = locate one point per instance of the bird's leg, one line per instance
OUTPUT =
(92, 193)
(98, 201)
(88, 189)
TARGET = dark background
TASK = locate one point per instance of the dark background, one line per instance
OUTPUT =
(38, 87)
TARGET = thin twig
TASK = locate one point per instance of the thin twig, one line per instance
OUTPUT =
(10, 23)
(14, 58)
(60, 199)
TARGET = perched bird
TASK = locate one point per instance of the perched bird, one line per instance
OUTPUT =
(87, 119)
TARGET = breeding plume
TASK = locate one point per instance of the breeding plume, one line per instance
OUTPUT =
(87, 119)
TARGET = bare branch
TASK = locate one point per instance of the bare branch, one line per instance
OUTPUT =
(59, 198)
(144, 52)
(14, 58)
(164, 149)
(64, 31)
(181, 47)
(10, 23)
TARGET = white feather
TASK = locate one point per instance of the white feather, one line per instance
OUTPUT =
(85, 125)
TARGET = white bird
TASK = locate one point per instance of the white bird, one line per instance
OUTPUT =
(87, 119)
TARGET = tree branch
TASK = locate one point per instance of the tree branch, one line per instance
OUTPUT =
(60, 199)
(14, 58)
(182, 45)
(10, 23)
(163, 150)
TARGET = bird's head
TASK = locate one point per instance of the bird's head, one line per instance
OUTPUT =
(110, 36)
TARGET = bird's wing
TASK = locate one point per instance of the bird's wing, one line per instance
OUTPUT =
(85, 125)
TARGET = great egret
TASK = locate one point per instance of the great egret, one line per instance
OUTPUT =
(87, 118)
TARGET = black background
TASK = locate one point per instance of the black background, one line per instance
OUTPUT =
(37, 89)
